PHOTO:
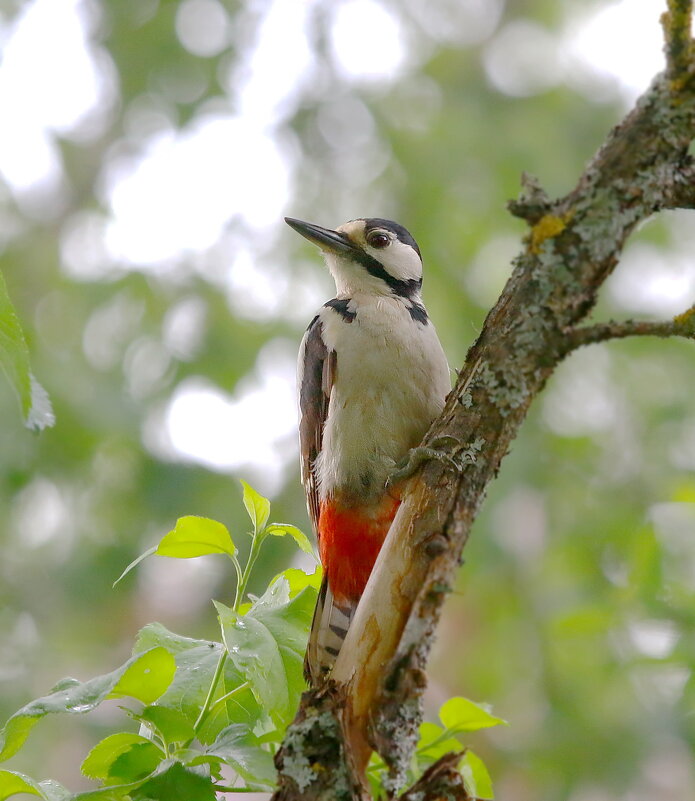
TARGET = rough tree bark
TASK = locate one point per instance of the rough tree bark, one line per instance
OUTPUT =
(574, 242)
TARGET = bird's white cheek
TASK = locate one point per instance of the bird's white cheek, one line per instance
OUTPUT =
(399, 260)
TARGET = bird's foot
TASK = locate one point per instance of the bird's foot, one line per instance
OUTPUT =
(425, 453)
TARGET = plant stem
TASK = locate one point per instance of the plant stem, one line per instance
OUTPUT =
(244, 580)
(239, 577)
(228, 695)
(445, 735)
(213, 686)
(222, 788)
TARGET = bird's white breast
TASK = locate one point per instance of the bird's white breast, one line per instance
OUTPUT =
(391, 381)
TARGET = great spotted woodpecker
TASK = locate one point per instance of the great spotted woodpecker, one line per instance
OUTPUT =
(372, 376)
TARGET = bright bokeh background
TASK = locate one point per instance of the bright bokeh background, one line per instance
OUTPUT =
(148, 151)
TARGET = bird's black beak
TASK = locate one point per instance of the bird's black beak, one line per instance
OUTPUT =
(324, 238)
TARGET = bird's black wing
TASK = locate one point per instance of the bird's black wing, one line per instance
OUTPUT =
(316, 374)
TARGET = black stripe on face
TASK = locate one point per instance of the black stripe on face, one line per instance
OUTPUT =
(406, 289)
(341, 306)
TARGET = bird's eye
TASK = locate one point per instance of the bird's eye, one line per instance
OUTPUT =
(378, 240)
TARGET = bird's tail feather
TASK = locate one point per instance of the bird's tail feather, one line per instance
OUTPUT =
(328, 630)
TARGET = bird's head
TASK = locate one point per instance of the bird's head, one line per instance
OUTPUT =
(368, 255)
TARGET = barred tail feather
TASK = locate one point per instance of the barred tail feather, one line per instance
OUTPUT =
(328, 629)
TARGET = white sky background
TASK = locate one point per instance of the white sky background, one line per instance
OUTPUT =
(171, 201)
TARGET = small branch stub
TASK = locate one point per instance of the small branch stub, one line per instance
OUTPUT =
(440, 781)
(533, 202)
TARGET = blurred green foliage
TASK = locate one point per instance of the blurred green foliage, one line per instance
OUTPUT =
(575, 612)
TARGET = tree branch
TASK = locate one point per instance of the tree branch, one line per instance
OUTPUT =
(681, 326)
(573, 245)
(677, 25)
(313, 761)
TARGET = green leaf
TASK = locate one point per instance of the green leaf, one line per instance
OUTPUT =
(114, 792)
(191, 536)
(267, 646)
(14, 361)
(240, 748)
(12, 783)
(138, 762)
(429, 733)
(54, 791)
(281, 529)
(147, 677)
(107, 760)
(461, 714)
(170, 724)
(196, 536)
(155, 635)
(298, 580)
(41, 411)
(256, 654)
(196, 662)
(476, 776)
(176, 783)
(434, 742)
(144, 676)
(171, 781)
(257, 506)
(136, 562)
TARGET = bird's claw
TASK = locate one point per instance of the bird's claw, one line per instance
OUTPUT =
(425, 453)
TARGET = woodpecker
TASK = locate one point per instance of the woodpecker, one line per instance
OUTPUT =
(372, 376)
